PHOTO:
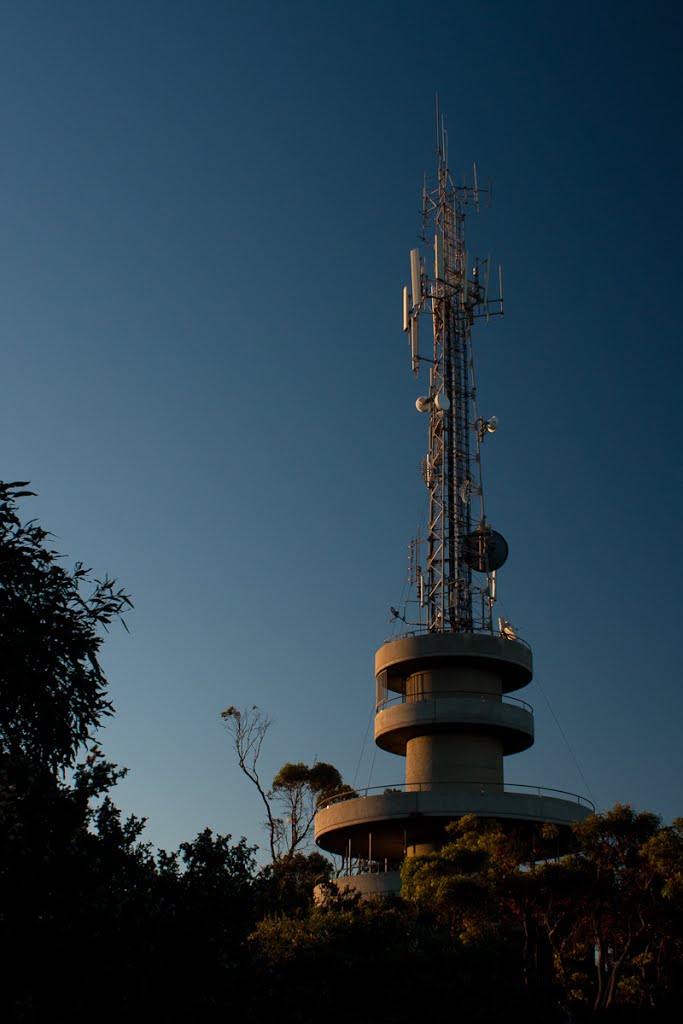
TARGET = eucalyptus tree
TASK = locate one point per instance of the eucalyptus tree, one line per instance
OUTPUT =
(53, 691)
(291, 800)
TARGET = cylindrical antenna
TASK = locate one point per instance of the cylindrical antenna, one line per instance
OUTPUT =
(414, 347)
(416, 277)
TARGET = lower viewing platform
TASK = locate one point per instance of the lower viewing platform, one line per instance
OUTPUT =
(391, 823)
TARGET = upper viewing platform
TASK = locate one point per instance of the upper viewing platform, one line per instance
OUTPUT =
(510, 660)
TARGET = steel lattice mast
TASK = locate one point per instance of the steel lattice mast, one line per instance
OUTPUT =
(454, 566)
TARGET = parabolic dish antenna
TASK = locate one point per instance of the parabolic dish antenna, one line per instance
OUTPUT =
(484, 550)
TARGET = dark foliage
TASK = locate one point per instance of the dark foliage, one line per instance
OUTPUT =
(382, 963)
(87, 909)
(92, 922)
(52, 689)
(287, 886)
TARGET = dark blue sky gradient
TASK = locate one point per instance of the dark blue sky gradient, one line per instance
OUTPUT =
(206, 214)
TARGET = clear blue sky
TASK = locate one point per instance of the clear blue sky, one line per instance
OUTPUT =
(206, 213)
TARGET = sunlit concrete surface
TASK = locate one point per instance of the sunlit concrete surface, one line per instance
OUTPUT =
(380, 883)
(512, 660)
(399, 723)
(389, 825)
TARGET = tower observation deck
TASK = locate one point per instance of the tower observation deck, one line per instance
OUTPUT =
(443, 682)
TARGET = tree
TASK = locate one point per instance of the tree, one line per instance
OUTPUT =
(53, 692)
(92, 920)
(296, 791)
(460, 885)
(90, 916)
(288, 886)
(299, 789)
(380, 962)
(248, 730)
(600, 929)
(630, 912)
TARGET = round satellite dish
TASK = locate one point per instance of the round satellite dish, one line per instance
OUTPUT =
(422, 403)
(441, 402)
(484, 550)
(492, 425)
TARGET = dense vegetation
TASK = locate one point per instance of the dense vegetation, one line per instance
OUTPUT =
(95, 923)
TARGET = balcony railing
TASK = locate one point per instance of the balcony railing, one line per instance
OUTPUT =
(418, 629)
(417, 698)
(420, 787)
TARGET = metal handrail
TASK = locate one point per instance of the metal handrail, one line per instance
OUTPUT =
(414, 699)
(508, 787)
(420, 630)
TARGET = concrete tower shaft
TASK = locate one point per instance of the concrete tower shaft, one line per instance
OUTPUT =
(441, 704)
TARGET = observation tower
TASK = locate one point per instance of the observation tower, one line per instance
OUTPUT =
(443, 683)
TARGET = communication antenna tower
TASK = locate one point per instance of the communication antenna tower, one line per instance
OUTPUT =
(442, 683)
(457, 587)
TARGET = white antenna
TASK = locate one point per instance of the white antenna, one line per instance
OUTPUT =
(416, 276)
(413, 346)
(406, 309)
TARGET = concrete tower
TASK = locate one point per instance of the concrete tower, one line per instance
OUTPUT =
(443, 681)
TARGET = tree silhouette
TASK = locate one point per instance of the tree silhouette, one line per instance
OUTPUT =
(52, 688)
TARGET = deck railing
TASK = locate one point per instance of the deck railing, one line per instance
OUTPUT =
(417, 698)
(420, 787)
(417, 629)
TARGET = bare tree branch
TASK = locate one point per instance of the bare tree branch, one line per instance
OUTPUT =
(248, 729)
